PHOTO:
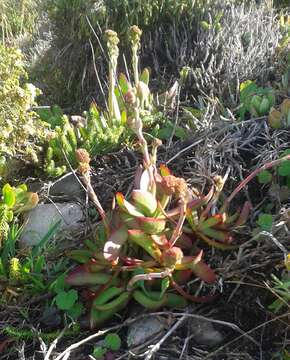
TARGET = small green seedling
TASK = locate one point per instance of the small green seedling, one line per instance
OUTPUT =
(65, 300)
(112, 342)
(265, 221)
(278, 178)
(255, 100)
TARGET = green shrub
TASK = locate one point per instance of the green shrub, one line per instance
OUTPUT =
(69, 65)
(17, 17)
(17, 122)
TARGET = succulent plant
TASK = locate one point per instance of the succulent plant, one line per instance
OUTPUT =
(148, 246)
(99, 132)
(255, 100)
(280, 118)
(15, 200)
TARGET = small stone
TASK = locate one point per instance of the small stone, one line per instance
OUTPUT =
(39, 220)
(51, 318)
(143, 330)
(204, 333)
(67, 185)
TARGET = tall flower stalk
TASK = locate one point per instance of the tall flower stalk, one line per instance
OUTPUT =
(135, 36)
(113, 53)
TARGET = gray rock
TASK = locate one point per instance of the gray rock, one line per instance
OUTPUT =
(143, 330)
(204, 333)
(39, 220)
(66, 185)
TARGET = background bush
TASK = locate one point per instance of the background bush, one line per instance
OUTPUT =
(172, 38)
(17, 121)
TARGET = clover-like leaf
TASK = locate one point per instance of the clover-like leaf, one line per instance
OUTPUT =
(113, 342)
(265, 221)
(264, 177)
(65, 300)
(99, 352)
(284, 168)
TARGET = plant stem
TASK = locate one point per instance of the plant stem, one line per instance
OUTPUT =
(252, 175)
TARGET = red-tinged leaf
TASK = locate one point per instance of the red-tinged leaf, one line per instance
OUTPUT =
(80, 276)
(126, 206)
(184, 242)
(94, 266)
(217, 244)
(151, 225)
(211, 222)
(188, 261)
(146, 242)
(113, 246)
(222, 236)
(204, 272)
(164, 170)
(244, 214)
(144, 201)
(182, 276)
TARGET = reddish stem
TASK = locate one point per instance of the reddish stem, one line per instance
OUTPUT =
(252, 175)
(198, 299)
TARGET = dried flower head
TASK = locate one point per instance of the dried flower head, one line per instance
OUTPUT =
(83, 156)
(175, 186)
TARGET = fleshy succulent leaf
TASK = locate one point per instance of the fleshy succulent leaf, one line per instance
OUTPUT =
(126, 206)
(145, 241)
(80, 276)
(113, 246)
(204, 272)
(151, 225)
(144, 201)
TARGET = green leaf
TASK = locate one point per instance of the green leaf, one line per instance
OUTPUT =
(99, 352)
(39, 263)
(8, 195)
(58, 285)
(265, 221)
(50, 233)
(124, 83)
(113, 342)
(284, 168)
(164, 286)
(65, 300)
(264, 177)
(76, 311)
(145, 76)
